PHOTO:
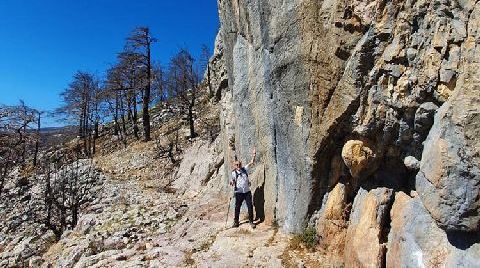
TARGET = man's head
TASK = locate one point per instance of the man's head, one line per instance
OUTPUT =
(237, 165)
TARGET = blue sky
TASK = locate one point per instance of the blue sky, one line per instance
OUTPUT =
(44, 42)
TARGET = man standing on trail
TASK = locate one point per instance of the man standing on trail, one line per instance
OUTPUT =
(241, 185)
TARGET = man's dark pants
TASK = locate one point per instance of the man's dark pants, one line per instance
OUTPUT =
(239, 198)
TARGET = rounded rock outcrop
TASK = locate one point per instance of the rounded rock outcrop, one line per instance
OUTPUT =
(359, 158)
(411, 163)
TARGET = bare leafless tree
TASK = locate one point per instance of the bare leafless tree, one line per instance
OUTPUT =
(133, 79)
(37, 138)
(17, 137)
(114, 96)
(183, 83)
(67, 186)
(140, 42)
(158, 84)
(80, 103)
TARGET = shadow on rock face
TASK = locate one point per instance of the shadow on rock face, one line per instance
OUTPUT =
(463, 240)
(259, 203)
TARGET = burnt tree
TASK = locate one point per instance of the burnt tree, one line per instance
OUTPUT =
(140, 42)
(183, 80)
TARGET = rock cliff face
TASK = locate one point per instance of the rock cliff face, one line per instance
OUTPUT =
(380, 96)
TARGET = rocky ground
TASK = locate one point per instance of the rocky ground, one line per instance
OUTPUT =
(158, 221)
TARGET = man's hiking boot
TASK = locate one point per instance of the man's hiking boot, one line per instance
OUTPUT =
(253, 225)
(235, 225)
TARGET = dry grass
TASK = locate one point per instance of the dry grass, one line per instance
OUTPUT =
(188, 260)
(308, 239)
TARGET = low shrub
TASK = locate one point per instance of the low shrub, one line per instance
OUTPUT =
(308, 239)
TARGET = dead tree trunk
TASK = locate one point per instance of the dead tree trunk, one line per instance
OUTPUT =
(146, 95)
(115, 115)
(135, 117)
(37, 141)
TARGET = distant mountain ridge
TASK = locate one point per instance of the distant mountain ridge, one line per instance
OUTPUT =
(58, 129)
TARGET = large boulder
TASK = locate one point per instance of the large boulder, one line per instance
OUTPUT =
(416, 241)
(365, 235)
(332, 222)
(359, 158)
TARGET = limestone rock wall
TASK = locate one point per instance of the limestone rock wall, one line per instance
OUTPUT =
(376, 95)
